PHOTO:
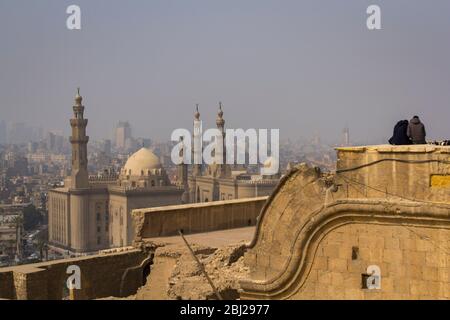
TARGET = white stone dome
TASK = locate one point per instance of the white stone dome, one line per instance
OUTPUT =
(141, 162)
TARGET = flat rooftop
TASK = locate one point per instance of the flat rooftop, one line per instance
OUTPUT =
(216, 239)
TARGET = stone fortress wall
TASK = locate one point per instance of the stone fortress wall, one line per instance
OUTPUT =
(316, 235)
(120, 272)
(387, 206)
(101, 276)
(196, 218)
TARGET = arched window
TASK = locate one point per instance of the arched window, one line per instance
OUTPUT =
(153, 183)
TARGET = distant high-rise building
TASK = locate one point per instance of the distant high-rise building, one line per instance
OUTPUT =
(144, 142)
(123, 133)
(106, 144)
(2, 132)
(32, 146)
(54, 142)
(346, 136)
(50, 140)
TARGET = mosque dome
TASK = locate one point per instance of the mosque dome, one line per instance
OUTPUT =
(269, 161)
(271, 166)
(141, 161)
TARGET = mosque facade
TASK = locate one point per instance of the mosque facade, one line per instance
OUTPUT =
(92, 213)
(218, 182)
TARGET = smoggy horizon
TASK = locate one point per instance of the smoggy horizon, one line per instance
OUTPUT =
(303, 67)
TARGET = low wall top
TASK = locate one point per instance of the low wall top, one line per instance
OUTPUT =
(387, 148)
(200, 205)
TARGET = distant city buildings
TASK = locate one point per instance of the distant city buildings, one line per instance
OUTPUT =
(55, 142)
(90, 189)
(106, 147)
(11, 231)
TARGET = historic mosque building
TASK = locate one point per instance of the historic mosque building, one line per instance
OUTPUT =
(92, 213)
(218, 182)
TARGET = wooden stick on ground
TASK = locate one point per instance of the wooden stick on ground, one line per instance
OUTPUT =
(202, 267)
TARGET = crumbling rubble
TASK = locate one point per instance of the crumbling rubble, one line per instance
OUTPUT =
(224, 266)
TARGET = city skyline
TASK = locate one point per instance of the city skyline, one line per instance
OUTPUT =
(22, 133)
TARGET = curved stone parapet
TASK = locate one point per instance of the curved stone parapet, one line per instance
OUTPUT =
(313, 241)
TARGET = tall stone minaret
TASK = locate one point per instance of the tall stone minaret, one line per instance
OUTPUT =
(198, 145)
(79, 140)
(220, 122)
(182, 169)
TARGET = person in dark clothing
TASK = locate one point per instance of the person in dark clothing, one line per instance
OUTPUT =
(416, 131)
(400, 136)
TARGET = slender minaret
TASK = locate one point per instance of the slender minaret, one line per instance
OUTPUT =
(198, 147)
(79, 140)
(182, 169)
(220, 122)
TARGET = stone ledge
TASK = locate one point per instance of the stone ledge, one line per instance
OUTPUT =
(387, 148)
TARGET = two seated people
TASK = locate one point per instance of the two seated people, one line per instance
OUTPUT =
(409, 132)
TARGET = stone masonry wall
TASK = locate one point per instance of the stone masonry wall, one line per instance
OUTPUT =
(414, 263)
(101, 276)
(389, 203)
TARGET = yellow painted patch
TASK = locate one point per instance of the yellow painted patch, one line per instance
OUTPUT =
(440, 180)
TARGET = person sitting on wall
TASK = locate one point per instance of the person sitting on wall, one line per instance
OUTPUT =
(416, 131)
(400, 136)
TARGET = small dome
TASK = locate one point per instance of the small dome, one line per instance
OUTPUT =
(142, 161)
(219, 120)
(269, 162)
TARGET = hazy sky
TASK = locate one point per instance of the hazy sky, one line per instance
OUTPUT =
(304, 67)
